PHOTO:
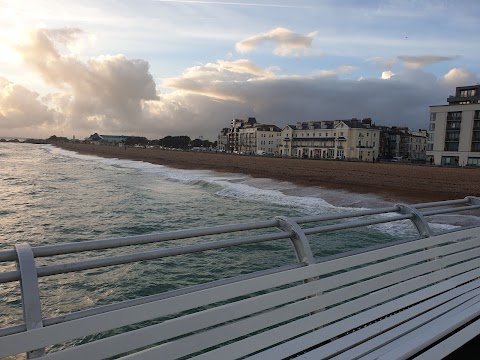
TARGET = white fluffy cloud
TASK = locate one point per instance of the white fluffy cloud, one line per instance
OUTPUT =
(387, 75)
(22, 109)
(285, 41)
(458, 77)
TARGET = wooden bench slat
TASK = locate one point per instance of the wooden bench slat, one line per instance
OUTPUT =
(460, 294)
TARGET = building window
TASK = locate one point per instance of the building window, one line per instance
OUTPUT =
(451, 146)
(454, 115)
(433, 116)
(431, 127)
(429, 147)
(467, 93)
(453, 125)
(476, 147)
(449, 160)
(473, 161)
(452, 136)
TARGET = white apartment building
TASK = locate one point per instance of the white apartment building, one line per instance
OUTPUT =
(337, 139)
(246, 136)
(454, 130)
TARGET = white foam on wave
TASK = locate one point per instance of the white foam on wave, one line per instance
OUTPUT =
(306, 200)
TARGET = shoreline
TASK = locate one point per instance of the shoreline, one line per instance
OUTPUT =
(408, 183)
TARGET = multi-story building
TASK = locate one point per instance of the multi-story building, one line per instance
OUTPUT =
(246, 136)
(454, 131)
(222, 140)
(400, 142)
(333, 139)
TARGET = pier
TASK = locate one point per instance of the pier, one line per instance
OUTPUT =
(417, 297)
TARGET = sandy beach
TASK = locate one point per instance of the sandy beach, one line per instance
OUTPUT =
(392, 181)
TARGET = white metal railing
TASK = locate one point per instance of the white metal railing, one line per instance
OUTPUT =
(28, 272)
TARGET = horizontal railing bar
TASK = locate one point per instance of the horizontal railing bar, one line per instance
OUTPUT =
(450, 210)
(154, 254)
(9, 276)
(50, 250)
(151, 298)
(440, 203)
(316, 218)
(354, 224)
(13, 330)
(366, 249)
(143, 300)
(373, 247)
(59, 249)
(148, 255)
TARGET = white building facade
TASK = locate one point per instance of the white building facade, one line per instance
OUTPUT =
(246, 136)
(454, 129)
(339, 139)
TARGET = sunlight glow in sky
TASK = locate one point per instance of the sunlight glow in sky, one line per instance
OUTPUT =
(186, 67)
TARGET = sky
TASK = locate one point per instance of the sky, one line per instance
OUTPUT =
(187, 67)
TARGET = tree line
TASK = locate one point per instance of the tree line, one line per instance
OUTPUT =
(175, 142)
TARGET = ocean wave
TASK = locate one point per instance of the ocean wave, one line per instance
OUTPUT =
(306, 200)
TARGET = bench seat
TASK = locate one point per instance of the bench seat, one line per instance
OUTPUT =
(394, 302)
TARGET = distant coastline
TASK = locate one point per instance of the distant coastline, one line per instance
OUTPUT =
(396, 182)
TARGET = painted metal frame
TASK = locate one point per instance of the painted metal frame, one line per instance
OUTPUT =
(27, 272)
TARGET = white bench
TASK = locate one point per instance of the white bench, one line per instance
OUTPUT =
(390, 303)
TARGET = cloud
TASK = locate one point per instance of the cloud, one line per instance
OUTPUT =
(285, 42)
(346, 69)
(387, 75)
(22, 109)
(106, 87)
(458, 77)
(116, 95)
(401, 101)
(416, 62)
(204, 80)
(383, 63)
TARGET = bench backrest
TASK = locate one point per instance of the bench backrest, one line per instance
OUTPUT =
(266, 310)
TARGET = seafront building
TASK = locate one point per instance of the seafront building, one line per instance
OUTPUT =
(332, 139)
(352, 139)
(454, 129)
(246, 136)
(107, 139)
(402, 143)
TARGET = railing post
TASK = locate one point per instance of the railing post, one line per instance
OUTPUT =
(32, 311)
(473, 200)
(418, 219)
(299, 240)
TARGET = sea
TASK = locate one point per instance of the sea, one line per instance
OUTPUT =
(51, 196)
